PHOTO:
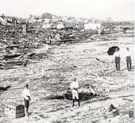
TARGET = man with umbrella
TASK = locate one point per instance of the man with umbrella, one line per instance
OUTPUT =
(117, 59)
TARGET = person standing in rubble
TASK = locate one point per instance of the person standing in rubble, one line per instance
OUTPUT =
(128, 60)
(50, 39)
(117, 59)
(25, 63)
(74, 88)
(27, 99)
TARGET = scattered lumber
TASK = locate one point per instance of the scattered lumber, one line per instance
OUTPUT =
(99, 60)
(84, 94)
(4, 88)
(6, 57)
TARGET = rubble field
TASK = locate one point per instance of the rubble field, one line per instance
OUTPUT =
(50, 77)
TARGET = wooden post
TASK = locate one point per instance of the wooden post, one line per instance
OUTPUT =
(24, 29)
(15, 21)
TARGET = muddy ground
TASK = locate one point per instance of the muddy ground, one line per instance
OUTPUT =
(92, 66)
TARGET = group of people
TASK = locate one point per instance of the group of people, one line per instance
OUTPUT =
(74, 89)
(75, 85)
(128, 59)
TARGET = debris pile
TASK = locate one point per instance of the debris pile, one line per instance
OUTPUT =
(84, 94)
(50, 79)
(19, 37)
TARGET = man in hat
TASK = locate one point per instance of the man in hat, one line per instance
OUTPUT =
(74, 88)
(27, 99)
(117, 59)
(128, 59)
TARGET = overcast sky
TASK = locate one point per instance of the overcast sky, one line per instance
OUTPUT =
(116, 9)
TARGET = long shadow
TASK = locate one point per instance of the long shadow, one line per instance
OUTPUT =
(104, 98)
(100, 98)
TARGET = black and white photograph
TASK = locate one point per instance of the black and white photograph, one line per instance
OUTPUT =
(67, 61)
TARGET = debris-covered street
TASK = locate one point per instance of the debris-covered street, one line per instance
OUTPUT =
(67, 61)
(51, 77)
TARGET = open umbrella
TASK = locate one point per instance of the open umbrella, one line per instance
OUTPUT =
(112, 49)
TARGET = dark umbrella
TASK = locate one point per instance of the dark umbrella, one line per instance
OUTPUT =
(112, 49)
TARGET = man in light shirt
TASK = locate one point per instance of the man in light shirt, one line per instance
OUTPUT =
(74, 88)
(26, 96)
(117, 59)
(128, 60)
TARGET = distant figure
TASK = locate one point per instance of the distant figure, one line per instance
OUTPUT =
(128, 60)
(27, 99)
(117, 59)
(74, 88)
(25, 63)
(50, 39)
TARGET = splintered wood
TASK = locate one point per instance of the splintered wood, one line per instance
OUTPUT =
(49, 80)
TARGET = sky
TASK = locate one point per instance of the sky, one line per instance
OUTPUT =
(116, 9)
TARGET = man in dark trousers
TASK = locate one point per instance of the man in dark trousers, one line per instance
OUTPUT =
(128, 60)
(117, 59)
(27, 99)
(74, 88)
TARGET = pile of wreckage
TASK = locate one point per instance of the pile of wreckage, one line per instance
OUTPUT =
(20, 37)
(17, 43)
